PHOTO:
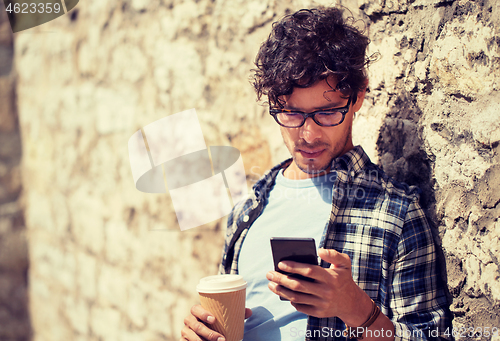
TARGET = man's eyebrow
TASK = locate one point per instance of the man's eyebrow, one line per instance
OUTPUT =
(333, 105)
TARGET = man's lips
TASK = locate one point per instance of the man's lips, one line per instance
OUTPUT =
(306, 153)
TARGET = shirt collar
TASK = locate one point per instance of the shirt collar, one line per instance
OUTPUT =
(352, 162)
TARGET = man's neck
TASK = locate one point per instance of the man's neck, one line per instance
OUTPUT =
(293, 172)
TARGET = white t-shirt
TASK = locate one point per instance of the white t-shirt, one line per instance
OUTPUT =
(296, 208)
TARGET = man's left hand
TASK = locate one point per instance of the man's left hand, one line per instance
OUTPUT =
(334, 292)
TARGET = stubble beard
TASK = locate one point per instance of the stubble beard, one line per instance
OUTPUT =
(312, 168)
(331, 154)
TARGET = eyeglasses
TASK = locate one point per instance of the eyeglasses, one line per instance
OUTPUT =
(324, 117)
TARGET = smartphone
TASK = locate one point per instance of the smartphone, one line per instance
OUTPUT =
(302, 250)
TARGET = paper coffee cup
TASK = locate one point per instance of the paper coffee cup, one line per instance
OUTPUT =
(224, 296)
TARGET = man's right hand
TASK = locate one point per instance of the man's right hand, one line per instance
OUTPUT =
(194, 328)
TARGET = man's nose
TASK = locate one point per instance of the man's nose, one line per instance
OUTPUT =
(310, 131)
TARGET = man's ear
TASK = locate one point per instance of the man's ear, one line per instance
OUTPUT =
(361, 97)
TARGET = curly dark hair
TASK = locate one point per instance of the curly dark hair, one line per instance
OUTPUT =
(307, 46)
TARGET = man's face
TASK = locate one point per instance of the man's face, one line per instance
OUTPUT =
(313, 147)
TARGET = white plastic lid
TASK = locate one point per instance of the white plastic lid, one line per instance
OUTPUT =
(221, 283)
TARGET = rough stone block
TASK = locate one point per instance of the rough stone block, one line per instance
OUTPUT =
(86, 275)
(105, 323)
(13, 251)
(111, 286)
(8, 114)
(77, 312)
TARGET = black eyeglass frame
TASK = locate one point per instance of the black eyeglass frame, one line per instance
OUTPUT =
(343, 110)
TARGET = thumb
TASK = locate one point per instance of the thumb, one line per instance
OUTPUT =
(335, 258)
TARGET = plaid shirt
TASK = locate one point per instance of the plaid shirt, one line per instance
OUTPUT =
(380, 225)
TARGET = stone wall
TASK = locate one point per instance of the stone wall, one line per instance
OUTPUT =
(108, 262)
(14, 313)
(436, 90)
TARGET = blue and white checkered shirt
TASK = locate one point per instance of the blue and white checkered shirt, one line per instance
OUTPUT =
(378, 222)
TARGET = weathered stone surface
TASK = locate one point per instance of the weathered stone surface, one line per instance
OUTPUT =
(105, 323)
(438, 75)
(13, 251)
(14, 313)
(108, 262)
(8, 121)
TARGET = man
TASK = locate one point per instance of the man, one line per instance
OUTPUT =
(375, 244)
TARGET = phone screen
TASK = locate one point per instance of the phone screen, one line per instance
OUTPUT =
(302, 250)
